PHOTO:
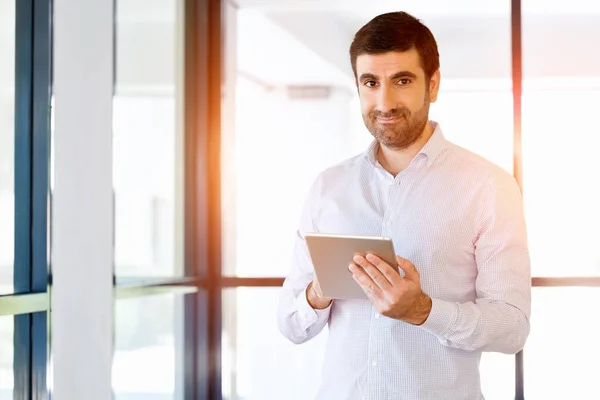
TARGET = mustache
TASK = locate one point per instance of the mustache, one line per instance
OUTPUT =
(394, 113)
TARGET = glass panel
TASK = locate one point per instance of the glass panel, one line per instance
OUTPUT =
(6, 357)
(7, 144)
(292, 108)
(149, 340)
(258, 362)
(497, 376)
(148, 138)
(561, 167)
(562, 352)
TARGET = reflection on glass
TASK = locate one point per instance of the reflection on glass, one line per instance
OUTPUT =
(561, 168)
(148, 359)
(6, 358)
(562, 352)
(292, 109)
(147, 147)
(7, 144)
(258, 362)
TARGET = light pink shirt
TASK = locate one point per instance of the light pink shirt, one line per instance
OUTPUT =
(460, 220)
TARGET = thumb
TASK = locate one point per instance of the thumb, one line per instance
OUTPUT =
(410, 272)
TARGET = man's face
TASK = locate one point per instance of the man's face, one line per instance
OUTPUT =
(395, 96)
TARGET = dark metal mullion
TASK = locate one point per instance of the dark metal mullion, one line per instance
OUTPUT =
(194, 248)
(583, 281)
(22, 357)
(232, 282)
(41, 143)
(140, 291)
(42, 82)
(517, 81)
(23, 156)
(214, 14)
(25, 303)
(571, 281)
(202, 197)
(125, 282)
(23, 183)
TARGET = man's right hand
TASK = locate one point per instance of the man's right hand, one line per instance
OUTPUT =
(315, 297)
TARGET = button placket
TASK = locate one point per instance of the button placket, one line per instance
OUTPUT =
(389, 212)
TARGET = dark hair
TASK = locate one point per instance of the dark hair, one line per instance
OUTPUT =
(396, 31)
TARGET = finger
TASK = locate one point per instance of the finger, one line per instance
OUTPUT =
(373, 272)
(317, 288)
(313, 286)
(390, 274)
(365, 281)
(410, 271)
(369, 290)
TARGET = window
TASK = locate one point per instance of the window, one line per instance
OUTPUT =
(149, 136)
(6, 358)
(24, 140)
(148, 359)
(561, 86)
(7, 143)
(148, 139)
(157, 307)
(561, 353)
(290, 111)
(254, 350)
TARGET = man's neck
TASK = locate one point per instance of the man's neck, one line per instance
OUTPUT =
(396, 161)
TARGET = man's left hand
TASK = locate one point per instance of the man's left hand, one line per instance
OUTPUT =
(391, 294)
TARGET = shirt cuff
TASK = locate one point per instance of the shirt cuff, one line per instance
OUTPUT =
(308, 314)
(442, 317)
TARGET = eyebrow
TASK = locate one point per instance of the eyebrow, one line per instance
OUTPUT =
(400, 74)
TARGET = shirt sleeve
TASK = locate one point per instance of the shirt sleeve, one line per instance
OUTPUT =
(498, 320)
(297, 320)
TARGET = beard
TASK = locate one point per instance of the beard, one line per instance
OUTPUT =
(402, 133)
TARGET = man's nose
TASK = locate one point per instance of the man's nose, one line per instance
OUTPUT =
(385, 101)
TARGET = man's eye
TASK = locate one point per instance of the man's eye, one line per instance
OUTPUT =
(404, 81)
(370, 83)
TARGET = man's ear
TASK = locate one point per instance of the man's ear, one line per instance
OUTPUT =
(434, 86)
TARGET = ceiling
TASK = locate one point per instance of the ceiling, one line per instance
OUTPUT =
(305, 42)
(426, 8)
(474, 37)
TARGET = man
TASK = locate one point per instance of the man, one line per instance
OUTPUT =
(457, 224)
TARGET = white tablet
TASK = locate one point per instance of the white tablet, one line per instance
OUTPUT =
(332, 254)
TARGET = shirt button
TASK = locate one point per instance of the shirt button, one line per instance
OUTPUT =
(388, 223)
(376, 315)
(373, 363)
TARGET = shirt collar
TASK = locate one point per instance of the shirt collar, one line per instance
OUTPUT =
(431, 149)
(435, 144)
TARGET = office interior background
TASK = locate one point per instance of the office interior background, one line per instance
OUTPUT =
(187, 133)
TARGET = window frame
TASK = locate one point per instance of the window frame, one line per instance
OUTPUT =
(29, 303)
(538, 281)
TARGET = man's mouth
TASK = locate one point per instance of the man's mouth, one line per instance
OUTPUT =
(388, 120)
